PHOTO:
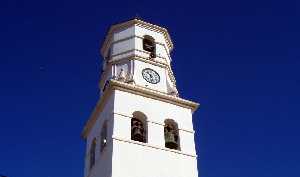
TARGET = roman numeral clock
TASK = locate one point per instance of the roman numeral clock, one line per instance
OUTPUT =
(140, 127)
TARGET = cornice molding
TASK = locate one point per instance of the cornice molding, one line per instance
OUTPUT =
(153, 94)
(139, 37)
(133, 50)
(138, 50)
(154, 147)
(140, 23)
(159, 43)
(117, 85)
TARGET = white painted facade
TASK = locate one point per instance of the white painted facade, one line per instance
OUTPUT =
(125, 91)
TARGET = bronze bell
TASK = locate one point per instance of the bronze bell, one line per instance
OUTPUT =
(170, 138)
(137, 131)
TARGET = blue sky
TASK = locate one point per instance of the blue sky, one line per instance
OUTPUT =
(239, 59)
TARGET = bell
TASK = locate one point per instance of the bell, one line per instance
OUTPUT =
(148, 45)
(137, 134)
(137, 131)
(170, 140)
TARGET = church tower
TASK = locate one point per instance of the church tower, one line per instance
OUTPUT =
(140, 126)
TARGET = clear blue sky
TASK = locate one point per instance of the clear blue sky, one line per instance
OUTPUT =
(239, 59)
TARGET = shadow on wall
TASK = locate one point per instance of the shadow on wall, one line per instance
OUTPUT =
(101, 165)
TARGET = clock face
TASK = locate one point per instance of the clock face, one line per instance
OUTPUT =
(150, 76)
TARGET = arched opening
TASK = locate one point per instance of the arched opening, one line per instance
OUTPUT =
(103, 140)
(139, 127)
(149, 45)
(171, 132)
(93, 153)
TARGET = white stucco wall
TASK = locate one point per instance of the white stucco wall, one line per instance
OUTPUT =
(124, 157)
(95, 132)
(141, 161)
(126, 40)
(157, 112)
(125, 33)
(151, 158)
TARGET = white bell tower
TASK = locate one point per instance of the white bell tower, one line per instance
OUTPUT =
(140, 126)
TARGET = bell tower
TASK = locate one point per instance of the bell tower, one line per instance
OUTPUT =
(140, 127)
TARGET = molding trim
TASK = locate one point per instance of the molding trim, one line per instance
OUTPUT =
(153, 94)
(154, 147)
(153, 122)
(159, 43)
(139, 37)
(132, 50)
(117, 85)
(137, 22)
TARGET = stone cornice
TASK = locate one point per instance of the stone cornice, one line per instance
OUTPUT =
(154, 147)
(137, 22)
(153, 94)
(132, 50)
(159, 43)
(140, 37)
(117, 85)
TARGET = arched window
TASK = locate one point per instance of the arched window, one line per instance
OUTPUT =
(171, 135)
(93, 153)
(103, 140)
(149, 45)
(139, 127)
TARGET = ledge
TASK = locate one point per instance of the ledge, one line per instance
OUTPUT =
(154, 147)
(153, 94)
(130, 88)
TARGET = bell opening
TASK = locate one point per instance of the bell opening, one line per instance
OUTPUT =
(171, 136)
(137, 131)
